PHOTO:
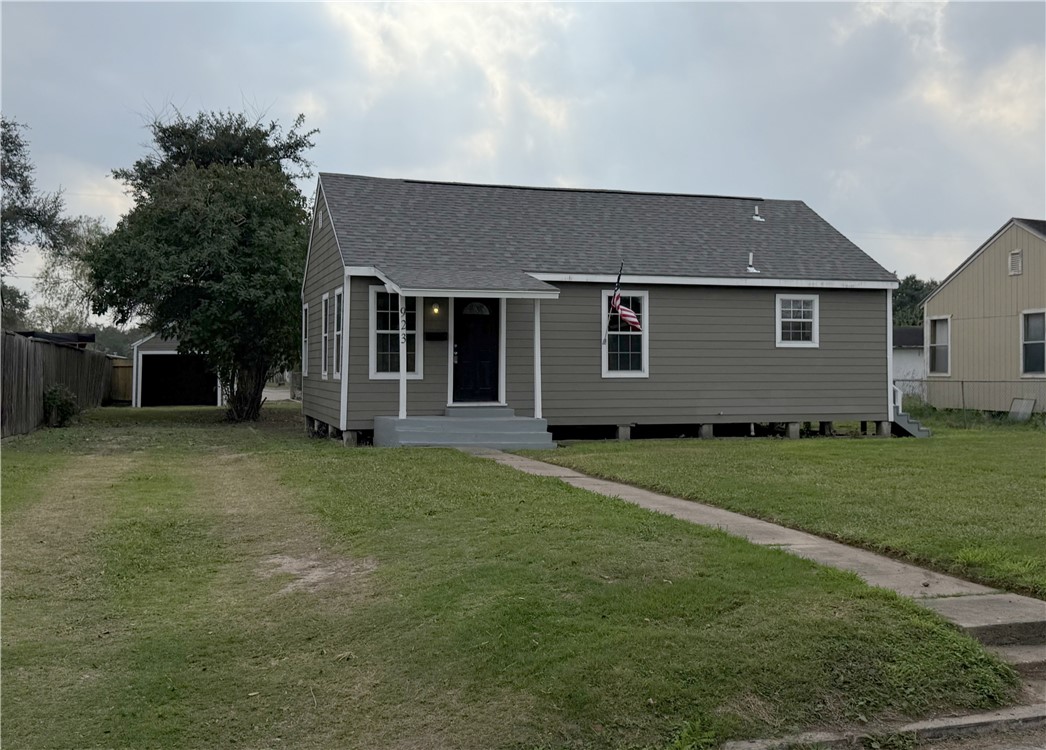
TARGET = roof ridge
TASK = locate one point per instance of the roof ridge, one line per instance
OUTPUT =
(540, 188)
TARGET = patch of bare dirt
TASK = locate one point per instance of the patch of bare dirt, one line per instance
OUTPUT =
(312, 573)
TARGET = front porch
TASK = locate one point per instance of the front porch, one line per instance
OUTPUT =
(487, 426)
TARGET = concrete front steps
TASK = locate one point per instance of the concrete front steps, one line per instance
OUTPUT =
(1012, 627)
(905, 426)
(463, 426)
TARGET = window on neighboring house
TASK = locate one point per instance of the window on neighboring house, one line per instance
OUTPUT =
(324, 336)
(304, 341)
(626, 351)
(1033, 342)
(940, 337)
(385, 335)
(338, 315)
(798, 321)
(1016, 262)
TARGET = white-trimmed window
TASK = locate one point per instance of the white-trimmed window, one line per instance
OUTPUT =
(325, 336)
(385, 335)
(339, 314)
(939, 345)
(798, 320)
(626, 351)
(305, 340)
(1033, 343)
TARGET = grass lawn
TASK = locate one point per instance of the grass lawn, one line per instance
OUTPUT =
(966, 501)
(172, 581)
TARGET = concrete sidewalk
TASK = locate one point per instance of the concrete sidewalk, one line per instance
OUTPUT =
(1011, 625)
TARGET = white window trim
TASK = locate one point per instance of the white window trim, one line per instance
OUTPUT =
(339, 338)
(604, 298)
(324, 335)
(815, 343)
(928, 337)
(1020, 320)
(305, 340)
(419, 355)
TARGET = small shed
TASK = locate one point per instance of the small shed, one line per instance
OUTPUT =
(164, 377)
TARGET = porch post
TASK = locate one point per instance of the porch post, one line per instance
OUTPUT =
(537, 359)
(403, 356)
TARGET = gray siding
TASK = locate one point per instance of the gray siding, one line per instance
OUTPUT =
(713, 359)
(324, 273)
(158, 344)
(370, 398)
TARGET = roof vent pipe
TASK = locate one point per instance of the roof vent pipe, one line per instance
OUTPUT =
(751, 263)
(756, 216)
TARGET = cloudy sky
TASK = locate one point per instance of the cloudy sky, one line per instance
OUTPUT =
(915, 129)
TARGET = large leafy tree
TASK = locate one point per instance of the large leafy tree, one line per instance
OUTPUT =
(15, 305)
(908, 300)
(64, 283)
(213, 249)
(27, 217)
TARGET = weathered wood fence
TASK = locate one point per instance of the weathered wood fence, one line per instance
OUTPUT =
(30, 367)
(123, 371)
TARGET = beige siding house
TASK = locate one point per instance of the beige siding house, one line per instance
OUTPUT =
(483, 314)
(985, 324)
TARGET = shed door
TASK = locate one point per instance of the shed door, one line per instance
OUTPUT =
(177, 380)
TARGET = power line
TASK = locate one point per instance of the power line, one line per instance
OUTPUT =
(903, 236)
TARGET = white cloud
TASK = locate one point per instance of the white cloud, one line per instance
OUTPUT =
(921, 22)
(844, 182)
(312, 105)
(1007, 98)
(440, 46)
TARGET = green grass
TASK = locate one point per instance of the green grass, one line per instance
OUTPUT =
(172, 581)
(966, 501)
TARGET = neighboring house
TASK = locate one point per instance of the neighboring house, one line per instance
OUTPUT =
(909, 360)
(163, 377)
(751, 310)
(985, 324)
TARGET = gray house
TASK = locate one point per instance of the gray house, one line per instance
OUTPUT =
(437, 312)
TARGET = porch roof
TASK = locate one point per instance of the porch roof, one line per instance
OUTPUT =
(464, 282)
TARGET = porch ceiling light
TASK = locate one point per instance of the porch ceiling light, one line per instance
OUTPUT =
(435, 308)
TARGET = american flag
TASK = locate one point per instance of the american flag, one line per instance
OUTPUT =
(615, 303)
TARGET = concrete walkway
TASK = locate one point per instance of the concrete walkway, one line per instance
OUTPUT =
(1013, 626)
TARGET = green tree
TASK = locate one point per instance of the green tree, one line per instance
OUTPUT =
(15, 305)
(213, 249)
(26, 215)
(908, 300)
(64, 283)
(113, 340)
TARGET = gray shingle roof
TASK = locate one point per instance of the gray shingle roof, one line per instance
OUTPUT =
(908, 337)
(438, 235)
(1034, 225)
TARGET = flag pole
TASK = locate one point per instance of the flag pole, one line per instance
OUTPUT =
(617, 289)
